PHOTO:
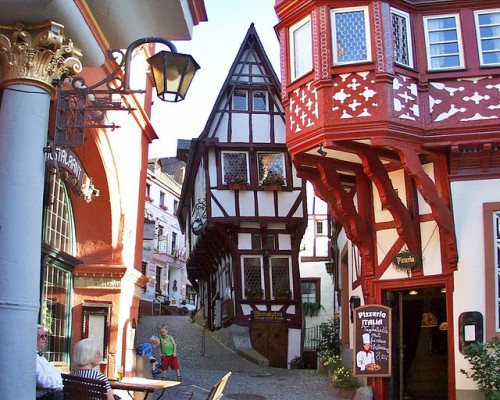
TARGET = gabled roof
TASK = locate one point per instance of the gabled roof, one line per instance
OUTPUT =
(251, 52)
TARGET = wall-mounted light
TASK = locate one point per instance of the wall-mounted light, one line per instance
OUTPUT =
(413, 292)
(330, 267)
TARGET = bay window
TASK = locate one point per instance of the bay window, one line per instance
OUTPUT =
(300, 49)
(443, 42)
(488, 36)
(401, 33)
(350, 35)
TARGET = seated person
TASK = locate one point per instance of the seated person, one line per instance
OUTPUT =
(49, 383)
(146, 350)
(86, 356)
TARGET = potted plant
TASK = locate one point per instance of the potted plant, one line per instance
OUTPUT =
(297, 363)
(236, 182)
(485, 364)
(148, 198)
(164, 207)
(273, 182)
(253, 293)
(282, 293)
(343, 381)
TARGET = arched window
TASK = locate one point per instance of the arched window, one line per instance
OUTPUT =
(58, 261)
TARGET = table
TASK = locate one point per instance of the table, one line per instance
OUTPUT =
(147, 386)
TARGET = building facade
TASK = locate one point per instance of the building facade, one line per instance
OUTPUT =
(244, 211)
(392, 114)
(164, 251)
(74, 193)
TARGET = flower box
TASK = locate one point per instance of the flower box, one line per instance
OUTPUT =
(346, 393)
(254, 297)
(273, 186)
(237, 186)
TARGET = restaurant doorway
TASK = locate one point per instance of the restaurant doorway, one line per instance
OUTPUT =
(419, 344)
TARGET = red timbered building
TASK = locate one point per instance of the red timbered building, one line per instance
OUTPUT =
(244, 212)
(392, 112)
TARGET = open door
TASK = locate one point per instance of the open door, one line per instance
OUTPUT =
(420, 344)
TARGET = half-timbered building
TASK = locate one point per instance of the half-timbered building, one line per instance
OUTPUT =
(244, 212)
(392, 112)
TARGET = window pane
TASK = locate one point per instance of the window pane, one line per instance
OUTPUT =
(271, 165)
(440, 49)
(401, 37)
(235, 166)
(350, 33)
(240, 100)
(489, 32)
(252, 273)
(256, 242)
(491, 44)
(443, 36)
(441, 23)
(280, 274)
(260, 101)
(302, 50)
(445, 62)
(491, 58)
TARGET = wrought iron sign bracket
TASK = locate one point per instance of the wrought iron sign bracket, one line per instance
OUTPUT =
(85, 106)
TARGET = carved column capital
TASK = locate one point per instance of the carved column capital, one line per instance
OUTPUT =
(36, 55)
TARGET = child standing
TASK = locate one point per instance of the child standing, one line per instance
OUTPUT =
(168, 353)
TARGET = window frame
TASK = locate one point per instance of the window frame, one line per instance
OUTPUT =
(409, 38)
(233, 108)
(333, 32)
(428, 55)
(290, 275)
(477, 13)
(243, 277)
(317, 282)
(259, 153)
(294, 75)
(266, 97)
(223, 166)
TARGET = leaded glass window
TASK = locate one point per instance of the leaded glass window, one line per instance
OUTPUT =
(259, 101)
(252, 274)
(240, 100)
(59, 229)
(235, 166)
(443, 42)
(301, 48)
(280, 274)
(350, 35)
(497, 269)
(488, 36)
(271, 165)
(402, 37)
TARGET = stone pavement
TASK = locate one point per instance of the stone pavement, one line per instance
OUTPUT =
(248, 380)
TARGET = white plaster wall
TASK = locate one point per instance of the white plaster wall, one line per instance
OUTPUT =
(247, 203)
(285, 241)
(261, 128)
(212, 168)
(245, 241)
(266, 203)
(286, 200)
(468, 198)
(226, 199)
(241, 128)
(279, 130)
(294, 344)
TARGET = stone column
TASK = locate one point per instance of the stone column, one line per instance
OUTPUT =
(30, 59)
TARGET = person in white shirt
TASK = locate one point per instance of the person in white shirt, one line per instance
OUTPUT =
(49, 383)
(366, 356)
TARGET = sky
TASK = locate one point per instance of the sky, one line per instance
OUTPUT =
(214, 46)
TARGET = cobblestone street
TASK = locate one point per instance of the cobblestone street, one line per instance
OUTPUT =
(247, 382)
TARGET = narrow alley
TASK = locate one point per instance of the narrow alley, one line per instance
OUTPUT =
(247, 382)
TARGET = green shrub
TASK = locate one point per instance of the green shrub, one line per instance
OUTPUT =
(485, 364)
(312, 309)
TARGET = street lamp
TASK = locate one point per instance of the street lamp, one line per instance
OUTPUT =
(83, 106)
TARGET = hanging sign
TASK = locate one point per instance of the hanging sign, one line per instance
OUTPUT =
(197, 226)
(372, 341)
(406, 260)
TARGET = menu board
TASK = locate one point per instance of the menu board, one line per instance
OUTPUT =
(372, 341)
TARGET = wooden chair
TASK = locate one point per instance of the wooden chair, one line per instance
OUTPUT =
(78, 388)
(217, 389)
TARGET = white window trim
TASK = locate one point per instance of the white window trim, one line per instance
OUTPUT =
(478, 35)
(409, 43)
(459, 39)
(367, 33)
(262, 280)
(246, 100)
(266, 95)
(224, 168)
(291, 32)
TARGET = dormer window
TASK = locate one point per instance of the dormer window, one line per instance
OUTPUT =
(350, 35)
(240, 102)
